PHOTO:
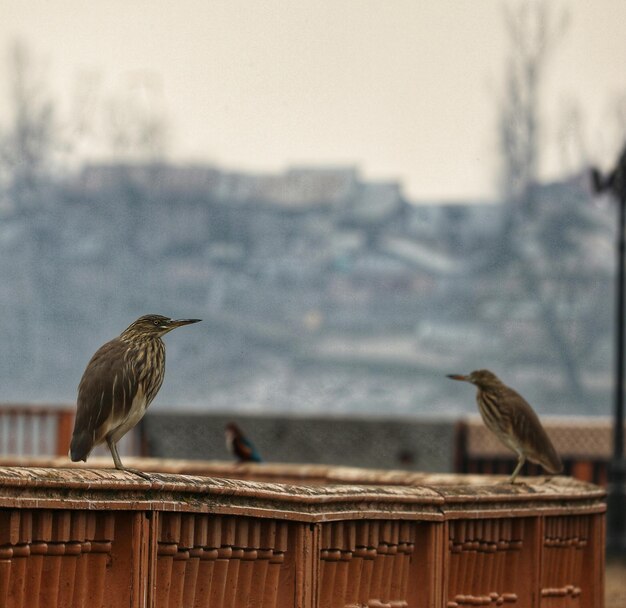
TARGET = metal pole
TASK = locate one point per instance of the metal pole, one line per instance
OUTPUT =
(616, 537)
(618, 430)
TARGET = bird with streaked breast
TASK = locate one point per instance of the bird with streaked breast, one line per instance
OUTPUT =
(120, 381)
(239, 445)
(513, 421)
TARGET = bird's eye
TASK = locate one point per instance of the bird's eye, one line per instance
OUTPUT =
(155, 322)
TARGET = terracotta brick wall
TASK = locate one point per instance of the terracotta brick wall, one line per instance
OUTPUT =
(79, 537)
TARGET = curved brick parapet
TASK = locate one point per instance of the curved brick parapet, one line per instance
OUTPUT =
(313, 536)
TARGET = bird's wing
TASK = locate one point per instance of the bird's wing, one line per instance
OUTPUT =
(254, 454)
(106, 390)
(245, 450)
(528, 430)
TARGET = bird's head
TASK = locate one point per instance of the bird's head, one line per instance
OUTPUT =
(232, 431)
(482, 378)
(154, 326)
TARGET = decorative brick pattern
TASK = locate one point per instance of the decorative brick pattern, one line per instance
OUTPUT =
(365, 563)
(54, 559)
(484, 560)
(219, 562)
(565, 543)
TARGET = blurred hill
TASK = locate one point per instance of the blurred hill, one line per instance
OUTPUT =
(320, 290)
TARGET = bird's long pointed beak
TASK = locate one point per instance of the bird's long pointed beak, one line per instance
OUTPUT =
(458, 377)
(181, 322)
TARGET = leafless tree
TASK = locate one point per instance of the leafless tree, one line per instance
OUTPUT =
(29, 148)
(28, 143)
(534, 30)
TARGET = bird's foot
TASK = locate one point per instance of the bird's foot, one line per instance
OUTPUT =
(508, 482)
(145, 476)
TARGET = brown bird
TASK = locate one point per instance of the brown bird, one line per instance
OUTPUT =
(509, 416)
(118, 385)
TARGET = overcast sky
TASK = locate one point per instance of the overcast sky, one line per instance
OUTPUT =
(404, 89)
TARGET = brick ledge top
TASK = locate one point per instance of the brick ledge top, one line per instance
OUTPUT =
(302, 488)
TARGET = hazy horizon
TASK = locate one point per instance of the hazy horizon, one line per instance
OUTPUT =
(403, 90)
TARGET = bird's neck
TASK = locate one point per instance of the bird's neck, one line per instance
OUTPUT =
(132, 336)
(488, 388)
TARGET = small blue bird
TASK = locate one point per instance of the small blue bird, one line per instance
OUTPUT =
(239, 445)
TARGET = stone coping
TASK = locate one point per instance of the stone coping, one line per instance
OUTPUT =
(337, 493)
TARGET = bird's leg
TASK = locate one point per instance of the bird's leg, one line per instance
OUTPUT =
(118, 463)
(116, 456)
(521, 459)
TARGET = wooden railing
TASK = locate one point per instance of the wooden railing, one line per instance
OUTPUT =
(74, 537)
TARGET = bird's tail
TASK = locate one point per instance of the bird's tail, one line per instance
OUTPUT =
(552, 462)
(80, 446)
